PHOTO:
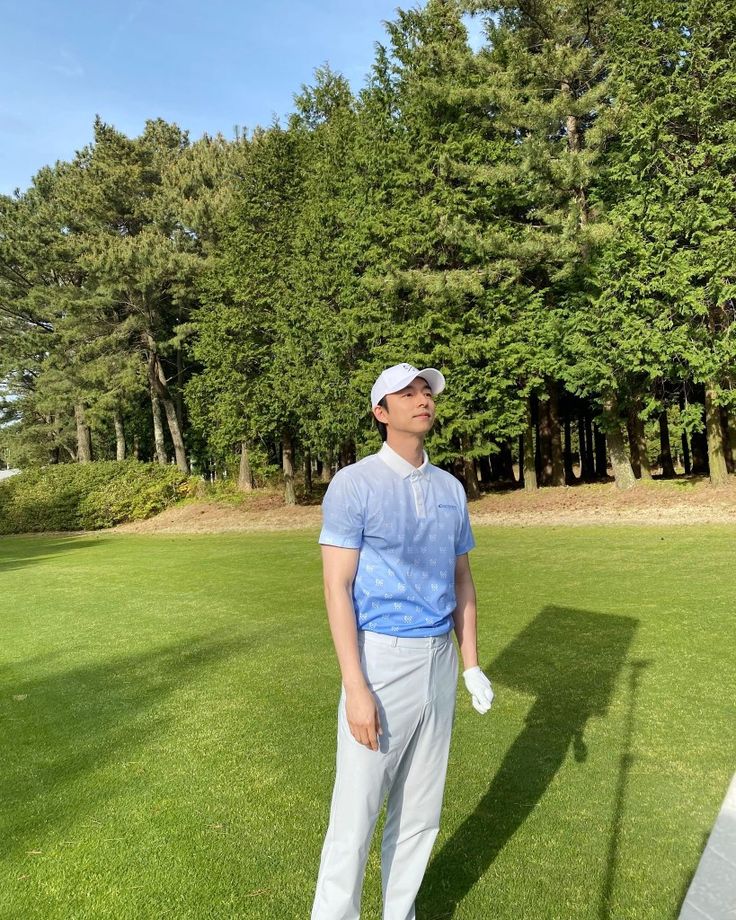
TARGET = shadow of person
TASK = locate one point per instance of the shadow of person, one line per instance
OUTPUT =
(570, 660)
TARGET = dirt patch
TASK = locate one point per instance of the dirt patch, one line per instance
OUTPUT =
(682, 501)
(212, 517)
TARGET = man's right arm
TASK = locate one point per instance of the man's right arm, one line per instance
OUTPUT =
(339, 567)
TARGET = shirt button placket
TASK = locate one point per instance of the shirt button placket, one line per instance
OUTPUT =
(416, 488)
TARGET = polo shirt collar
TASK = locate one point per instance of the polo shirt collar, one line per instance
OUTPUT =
(401, 466)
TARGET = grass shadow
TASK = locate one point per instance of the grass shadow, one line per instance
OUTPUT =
(570, 660)
(21, 550)
(63, 727)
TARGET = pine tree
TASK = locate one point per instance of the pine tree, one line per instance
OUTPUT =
(671, 181)
(139, 259)
(546, 72)
(440, 288)
(246, 301)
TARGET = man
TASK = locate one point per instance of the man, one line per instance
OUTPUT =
(395, 540)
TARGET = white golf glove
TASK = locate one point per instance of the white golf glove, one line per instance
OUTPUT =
(479, 687)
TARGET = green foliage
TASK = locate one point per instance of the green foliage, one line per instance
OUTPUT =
(553, 212)
(88, 496)
(242, 392)
(668, 269)
(443, 285)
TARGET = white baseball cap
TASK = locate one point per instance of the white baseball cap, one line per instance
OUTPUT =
(399, 376)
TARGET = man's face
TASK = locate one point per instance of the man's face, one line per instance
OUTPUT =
(410, 410)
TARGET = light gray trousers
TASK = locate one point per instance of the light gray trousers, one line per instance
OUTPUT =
(414, 682)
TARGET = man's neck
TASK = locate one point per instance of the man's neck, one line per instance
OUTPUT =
(408, 446)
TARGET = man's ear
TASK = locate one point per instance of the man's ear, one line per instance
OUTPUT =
(380, 413)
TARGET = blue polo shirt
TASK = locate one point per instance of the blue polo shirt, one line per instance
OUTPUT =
(410, 526)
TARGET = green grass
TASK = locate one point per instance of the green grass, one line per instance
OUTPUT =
(167, 708)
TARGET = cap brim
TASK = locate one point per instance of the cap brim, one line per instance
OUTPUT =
(434, 378)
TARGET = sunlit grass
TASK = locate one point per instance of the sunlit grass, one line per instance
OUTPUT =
(168, 704)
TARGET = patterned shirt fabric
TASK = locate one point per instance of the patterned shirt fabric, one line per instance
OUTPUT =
(410, 525)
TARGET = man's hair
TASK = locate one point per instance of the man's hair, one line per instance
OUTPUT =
(382, 429)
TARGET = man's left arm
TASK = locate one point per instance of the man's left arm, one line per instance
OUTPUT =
(466, 618)
(466, 612)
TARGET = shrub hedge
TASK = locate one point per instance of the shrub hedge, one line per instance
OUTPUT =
(88, 496)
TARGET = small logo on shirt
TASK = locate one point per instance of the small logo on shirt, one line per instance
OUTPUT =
(449, 507)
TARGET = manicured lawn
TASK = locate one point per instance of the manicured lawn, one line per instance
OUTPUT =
(167, 710)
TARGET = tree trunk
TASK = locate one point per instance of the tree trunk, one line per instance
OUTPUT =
(622, 472)
(501, 465)
(470, 475)
(698, 440)
(521, 460)
(731, 427)
(176, 436)
(587, 456)
(570, 478)
(172, 418)
(245, 473)
(158, 429)
(581, 445)
(528, 464)
(552, 469)
(601, 458)
(714, 434)
(54, 452)
(726, 426)
(638, 442)
(327, 469)
(555, 432)
(646, 467)
(179, 393)
(487, 472)
(506, 463)
(136, 447)
(307, 472)
(633, 445)
(544, 442)
(159, 387)
(699, 450)
(119, 435)
(686, 465)
(288, 467)
(347, 453)
(84, 436)
(668, 467)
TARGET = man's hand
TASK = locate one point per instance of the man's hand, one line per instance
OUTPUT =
(479, 687)
(363, 720)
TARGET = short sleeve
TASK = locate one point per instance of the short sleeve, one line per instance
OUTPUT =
(465, 540)
(342, 514)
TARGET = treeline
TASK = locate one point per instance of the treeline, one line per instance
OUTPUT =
(550, 219)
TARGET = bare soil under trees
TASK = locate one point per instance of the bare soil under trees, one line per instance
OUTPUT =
(685, 500)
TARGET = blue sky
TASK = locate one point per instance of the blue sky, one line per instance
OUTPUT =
(207, 66)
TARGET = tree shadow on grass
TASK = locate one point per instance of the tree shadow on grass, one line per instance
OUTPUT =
(570, 660)
(21, 550)
(61, 728)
